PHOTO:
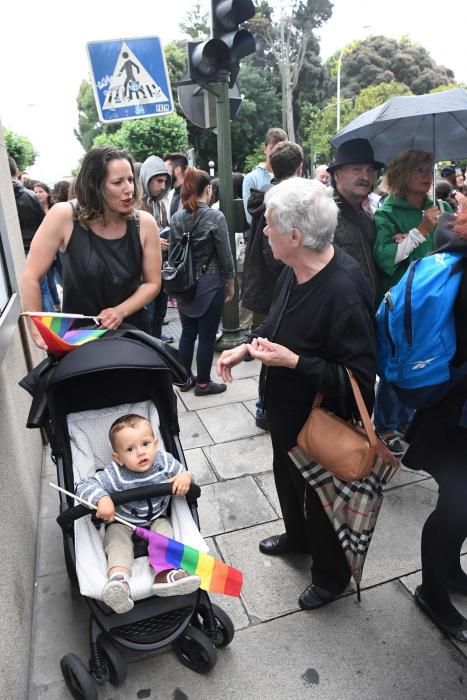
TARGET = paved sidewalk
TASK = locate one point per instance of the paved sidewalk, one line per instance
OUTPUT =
(383, 647)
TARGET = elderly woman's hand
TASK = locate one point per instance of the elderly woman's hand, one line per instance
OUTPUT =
(229, 359)
(272, 354)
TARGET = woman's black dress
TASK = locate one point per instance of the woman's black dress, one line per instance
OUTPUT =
(100, 273)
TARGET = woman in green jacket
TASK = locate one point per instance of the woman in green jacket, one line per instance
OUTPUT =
(406, 221)
(405, 225)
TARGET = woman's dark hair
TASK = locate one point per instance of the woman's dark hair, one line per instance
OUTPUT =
(237, 182)
(90, 181)
(60, 191)
(215, 191)
(46, 188)
(194, 184)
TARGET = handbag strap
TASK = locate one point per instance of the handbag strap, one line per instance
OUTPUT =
(360, 405)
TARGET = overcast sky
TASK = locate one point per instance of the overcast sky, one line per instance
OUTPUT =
(42, 66)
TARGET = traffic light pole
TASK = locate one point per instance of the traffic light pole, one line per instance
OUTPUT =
(232, 334)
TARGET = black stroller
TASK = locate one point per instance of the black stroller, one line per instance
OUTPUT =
(131, 372)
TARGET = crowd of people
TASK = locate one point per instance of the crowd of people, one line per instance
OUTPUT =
(320, 255)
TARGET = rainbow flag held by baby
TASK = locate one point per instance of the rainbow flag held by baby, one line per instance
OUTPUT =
(216, 576)
(56, 331)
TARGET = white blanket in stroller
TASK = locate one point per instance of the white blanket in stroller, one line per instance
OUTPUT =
(90, 449)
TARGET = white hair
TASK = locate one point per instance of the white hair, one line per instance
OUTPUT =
(305, 205)
(321, 169)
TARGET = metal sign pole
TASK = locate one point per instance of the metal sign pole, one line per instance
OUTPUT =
(232, 334)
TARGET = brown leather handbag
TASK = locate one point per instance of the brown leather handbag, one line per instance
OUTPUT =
(337, 445)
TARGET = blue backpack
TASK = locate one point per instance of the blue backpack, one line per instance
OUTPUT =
(416, 334)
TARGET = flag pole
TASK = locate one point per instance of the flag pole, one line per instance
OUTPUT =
(90, 505)
(57, 314)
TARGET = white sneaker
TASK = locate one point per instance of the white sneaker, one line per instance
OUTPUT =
(177, 582)
(116, 594)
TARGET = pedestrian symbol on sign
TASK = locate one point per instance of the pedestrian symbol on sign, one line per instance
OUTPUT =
(131, 83)
(130, 78)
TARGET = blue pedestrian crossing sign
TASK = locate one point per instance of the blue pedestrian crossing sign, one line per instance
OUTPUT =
(130, 78)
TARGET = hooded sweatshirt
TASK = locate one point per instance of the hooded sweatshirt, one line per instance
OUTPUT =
(397, 215)
(151, 167)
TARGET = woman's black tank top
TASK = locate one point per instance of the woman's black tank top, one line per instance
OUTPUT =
(99, 273)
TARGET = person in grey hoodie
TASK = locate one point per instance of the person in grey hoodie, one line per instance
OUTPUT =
(155, 181)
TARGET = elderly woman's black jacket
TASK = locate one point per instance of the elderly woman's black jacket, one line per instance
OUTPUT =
(329, 322)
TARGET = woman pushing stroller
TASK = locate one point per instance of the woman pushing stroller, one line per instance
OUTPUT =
(137, 462)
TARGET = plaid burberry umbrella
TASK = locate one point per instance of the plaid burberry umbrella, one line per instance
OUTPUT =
(352, 506)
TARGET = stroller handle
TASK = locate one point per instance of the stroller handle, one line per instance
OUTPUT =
(67, 517)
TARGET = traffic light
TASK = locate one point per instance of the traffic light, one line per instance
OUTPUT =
(211, 59)
(227, 15)
(207, 59)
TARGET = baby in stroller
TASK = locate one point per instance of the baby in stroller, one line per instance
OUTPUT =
(137, 461)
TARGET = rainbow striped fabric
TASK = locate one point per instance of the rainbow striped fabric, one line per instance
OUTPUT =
(58, 335)
(216, 576)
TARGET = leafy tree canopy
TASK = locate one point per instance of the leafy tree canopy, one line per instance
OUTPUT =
(380, 59)
(20, 148)
(196, 23)
(89, 125)
(321, 123)
(145, 137)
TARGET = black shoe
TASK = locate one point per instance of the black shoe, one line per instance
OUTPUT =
(262, 421)
(315, 597)
(210, 388)
(276, 544)
(395, 445)
(457, 586)
(459, 632)
(167, 338)
(188, 384)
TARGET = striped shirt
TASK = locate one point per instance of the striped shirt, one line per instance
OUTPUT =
(115, 478)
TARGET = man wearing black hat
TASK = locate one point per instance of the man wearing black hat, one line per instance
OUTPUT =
(353, 172)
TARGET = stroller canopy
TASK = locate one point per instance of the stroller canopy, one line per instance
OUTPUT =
(125, 366)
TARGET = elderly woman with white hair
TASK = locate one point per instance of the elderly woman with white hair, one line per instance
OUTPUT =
(321, 321)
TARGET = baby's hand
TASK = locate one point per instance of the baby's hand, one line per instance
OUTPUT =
(181, 483)
(105, 508)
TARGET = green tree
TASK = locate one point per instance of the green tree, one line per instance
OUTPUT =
(89, 125)
(321, 123)
(175, 56)
(196, 23)
(380, 59)
(153, 135)
(449, 86)
(300, 47)
(20, 148)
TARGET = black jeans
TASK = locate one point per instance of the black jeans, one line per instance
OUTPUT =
(157, 310)
(204, 328)
(444, 533)
(307, 525)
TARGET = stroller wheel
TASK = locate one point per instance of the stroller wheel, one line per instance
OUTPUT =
(77, 678)
(219, 629)
(195, 650)
(113, 660)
